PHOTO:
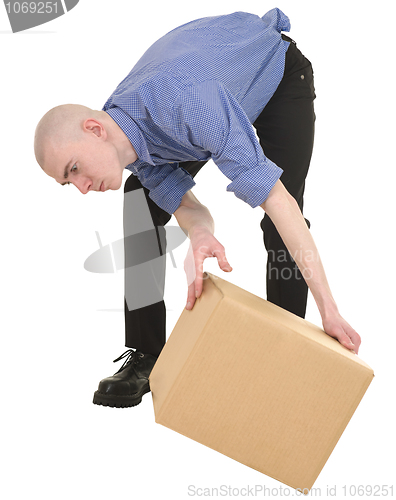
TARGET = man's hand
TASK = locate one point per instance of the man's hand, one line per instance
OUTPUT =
(337, 327)
(195, 219)
(202, 245)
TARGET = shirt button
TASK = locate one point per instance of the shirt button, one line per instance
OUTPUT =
(302, 77)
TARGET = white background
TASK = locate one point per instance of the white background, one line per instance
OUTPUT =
(57, 343)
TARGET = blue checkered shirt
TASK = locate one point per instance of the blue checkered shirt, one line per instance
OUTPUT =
(194, 95)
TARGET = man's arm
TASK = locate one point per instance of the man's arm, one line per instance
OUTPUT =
(284, 212)
(195, 219)
(191, 214)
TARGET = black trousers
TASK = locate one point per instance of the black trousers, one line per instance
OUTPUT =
(285, 129)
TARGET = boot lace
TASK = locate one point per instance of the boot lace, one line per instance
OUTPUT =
(131, 357)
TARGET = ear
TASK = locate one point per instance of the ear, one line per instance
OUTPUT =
(94, 126)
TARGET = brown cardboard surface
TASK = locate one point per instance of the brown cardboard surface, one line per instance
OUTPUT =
(256, 383)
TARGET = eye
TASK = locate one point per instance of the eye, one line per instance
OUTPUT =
(74, 168)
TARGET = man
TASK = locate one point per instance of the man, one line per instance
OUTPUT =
(195, 95)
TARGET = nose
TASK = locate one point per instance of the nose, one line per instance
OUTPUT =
(83, 185)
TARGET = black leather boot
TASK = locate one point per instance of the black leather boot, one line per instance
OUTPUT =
(127, 386)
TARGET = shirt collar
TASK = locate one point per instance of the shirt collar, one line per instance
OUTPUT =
(132, 131)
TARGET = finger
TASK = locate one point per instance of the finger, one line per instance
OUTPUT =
(189, 265)
(346, 341)
(339, 334)
(190, 296)
(222, 260)
(193, 266)
(350, 339)
(355, 338)
(189, 268)
(199, 275)
(202, 253)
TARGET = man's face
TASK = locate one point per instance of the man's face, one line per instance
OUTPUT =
(91, 164)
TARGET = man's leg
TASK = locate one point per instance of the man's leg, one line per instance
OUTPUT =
(145, 334)
(144, 308)
(145, 327)
(286, 132)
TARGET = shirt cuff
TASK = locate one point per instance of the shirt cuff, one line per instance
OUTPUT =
(254, 185)
(169, 192)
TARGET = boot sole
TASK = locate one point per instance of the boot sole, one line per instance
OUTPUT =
(118, 401)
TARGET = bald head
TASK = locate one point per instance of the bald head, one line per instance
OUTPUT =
(84, 147)
(60, 126)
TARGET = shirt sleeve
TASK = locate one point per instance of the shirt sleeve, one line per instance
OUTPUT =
(209, 117)
(167, 183)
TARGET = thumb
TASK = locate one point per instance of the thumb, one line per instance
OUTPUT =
(346, 341)
(224, 264)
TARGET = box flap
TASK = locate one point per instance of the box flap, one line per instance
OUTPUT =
(180, 345)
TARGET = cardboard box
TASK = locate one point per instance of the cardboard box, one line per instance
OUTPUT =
(257, 383)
